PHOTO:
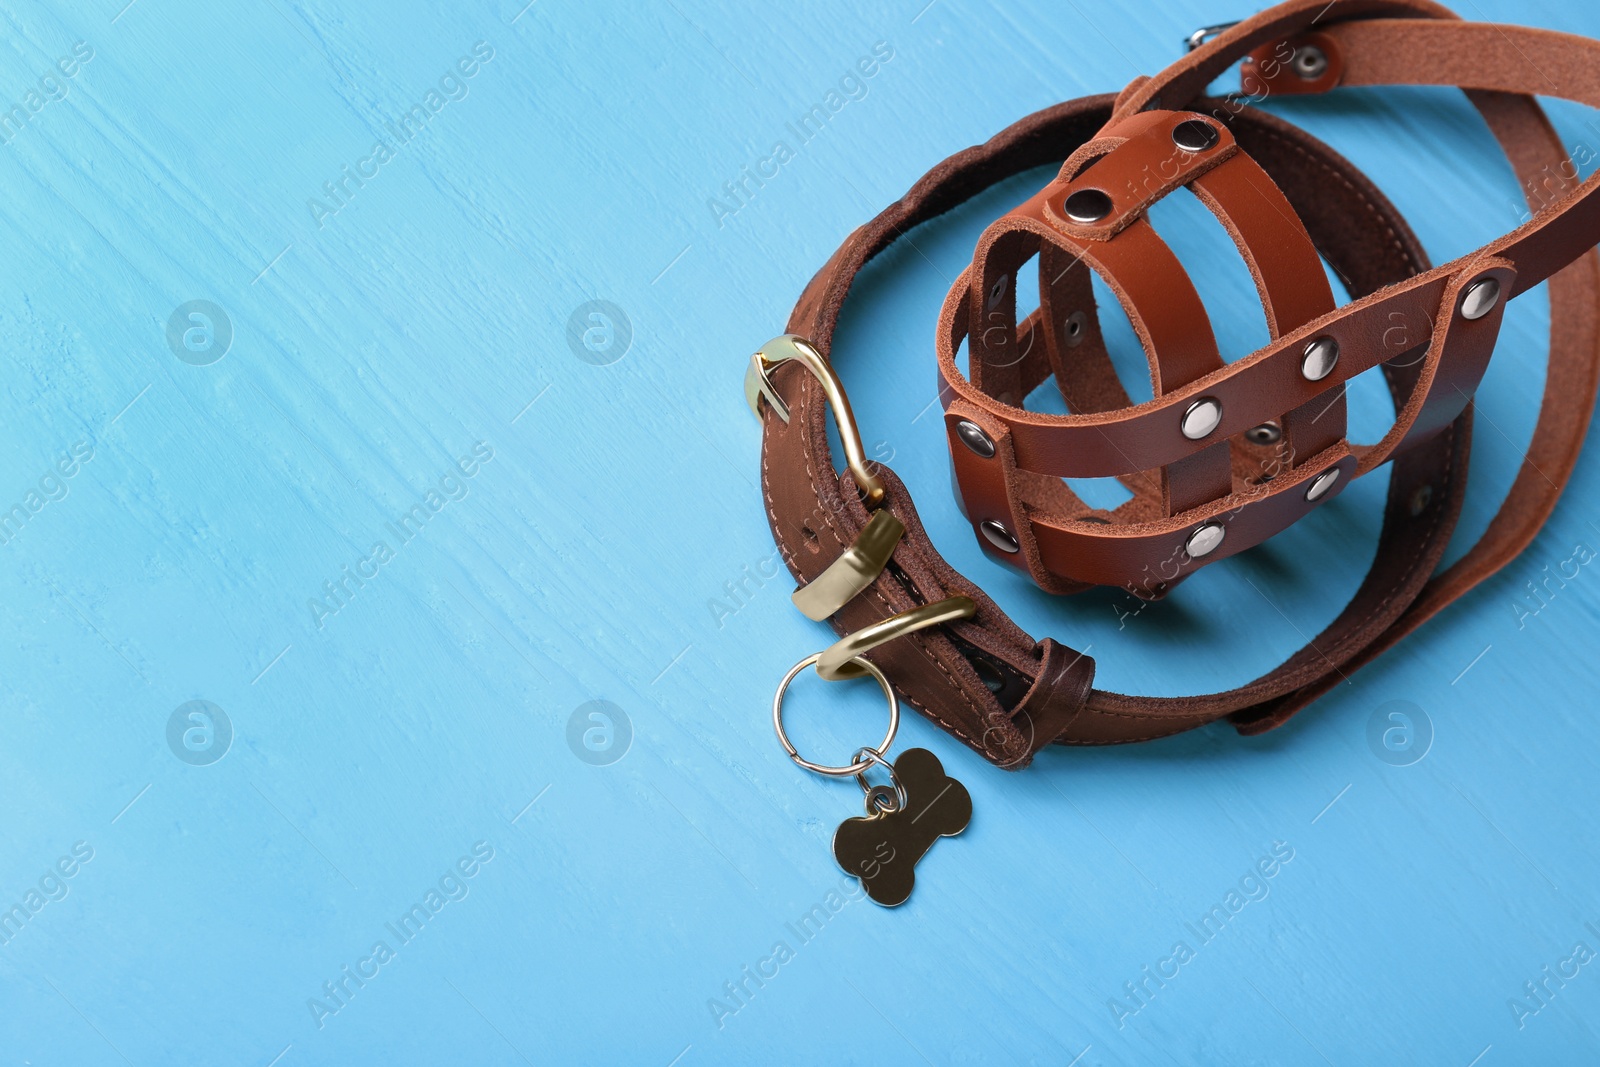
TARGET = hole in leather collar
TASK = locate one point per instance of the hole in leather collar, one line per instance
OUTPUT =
(1007, 684)
(989, 674)
(1420, 500)
(811, 541)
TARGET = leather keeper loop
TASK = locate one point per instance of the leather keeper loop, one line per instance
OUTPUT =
(1454, 365)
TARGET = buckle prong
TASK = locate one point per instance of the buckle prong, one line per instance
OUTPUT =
(758, 386)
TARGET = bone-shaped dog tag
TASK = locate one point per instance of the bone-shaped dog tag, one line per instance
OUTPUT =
(883, 849)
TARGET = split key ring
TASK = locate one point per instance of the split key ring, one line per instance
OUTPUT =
(860, 766)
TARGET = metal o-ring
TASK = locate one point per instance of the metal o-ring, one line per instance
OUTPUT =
(860, 766)
(872, 791)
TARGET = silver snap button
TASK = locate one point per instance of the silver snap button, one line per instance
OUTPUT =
(1322, 483)
(998, 536)
(1201, 418)
(974, 438)
(1321, 356)
(1195, 135)
(1087, 205)
(1480, 298)
(1310, 62)
(1204, 540)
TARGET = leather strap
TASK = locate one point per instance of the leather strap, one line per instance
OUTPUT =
(1006, 695)
(1497, 65)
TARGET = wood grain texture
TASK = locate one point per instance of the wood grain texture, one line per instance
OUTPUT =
(561, 526)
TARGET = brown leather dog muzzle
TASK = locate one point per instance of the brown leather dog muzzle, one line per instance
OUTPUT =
(1225, 454)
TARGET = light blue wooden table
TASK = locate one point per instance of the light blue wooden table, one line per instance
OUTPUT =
(331, 511)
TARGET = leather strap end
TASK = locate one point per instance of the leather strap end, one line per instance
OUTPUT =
(1060, 691)
(1302, 65)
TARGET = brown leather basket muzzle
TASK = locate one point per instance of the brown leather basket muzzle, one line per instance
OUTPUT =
(1224, 454)
(1223, 457)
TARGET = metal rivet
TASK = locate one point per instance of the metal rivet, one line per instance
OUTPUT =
(1087, 205)
(998, 536)
(1204, 540)
(1267, 433)
(997, 290)
(1319, 359)
(1195, 135)
(973, 437)
(1480, 298)
(1077, 326)
(1310, 62)
(1322, 483)
(1201, 418)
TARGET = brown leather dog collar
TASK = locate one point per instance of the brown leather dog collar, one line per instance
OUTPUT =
(1206, 480)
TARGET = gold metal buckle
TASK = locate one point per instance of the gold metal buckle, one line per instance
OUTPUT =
(855, 569)
(757, 385)
(841, 659)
